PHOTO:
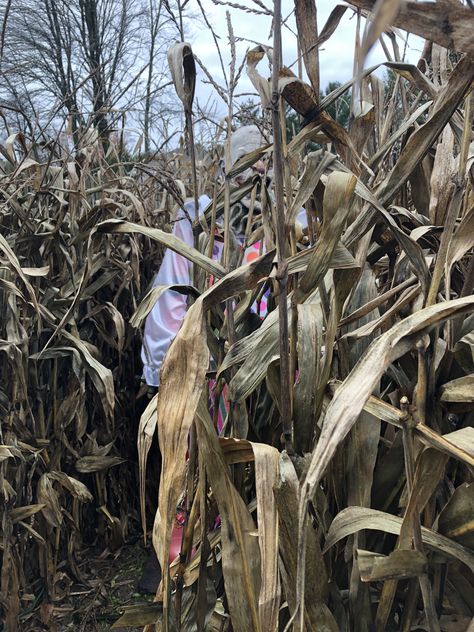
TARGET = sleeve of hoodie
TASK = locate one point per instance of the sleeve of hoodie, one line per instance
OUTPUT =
(164, 320)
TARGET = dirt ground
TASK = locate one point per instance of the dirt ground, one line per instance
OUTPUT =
(111, 585)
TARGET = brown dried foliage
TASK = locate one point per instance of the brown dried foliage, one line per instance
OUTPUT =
(366, 522)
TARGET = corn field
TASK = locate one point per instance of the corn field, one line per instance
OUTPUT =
(341, 482)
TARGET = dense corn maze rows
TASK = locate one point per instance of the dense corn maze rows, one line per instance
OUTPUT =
(348, 505)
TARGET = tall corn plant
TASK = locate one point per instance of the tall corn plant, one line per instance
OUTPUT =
(364, 520)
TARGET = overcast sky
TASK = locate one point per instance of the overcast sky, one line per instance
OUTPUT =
(336, 56)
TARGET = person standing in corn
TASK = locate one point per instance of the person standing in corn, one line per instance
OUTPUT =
(168, 313)
(166, 316)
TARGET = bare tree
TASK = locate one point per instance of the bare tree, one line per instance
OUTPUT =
(80, 54)
(97, 62)
(40, 54)
(108, 45)
(154, 19)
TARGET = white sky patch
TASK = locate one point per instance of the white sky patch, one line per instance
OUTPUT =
(336, 55)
